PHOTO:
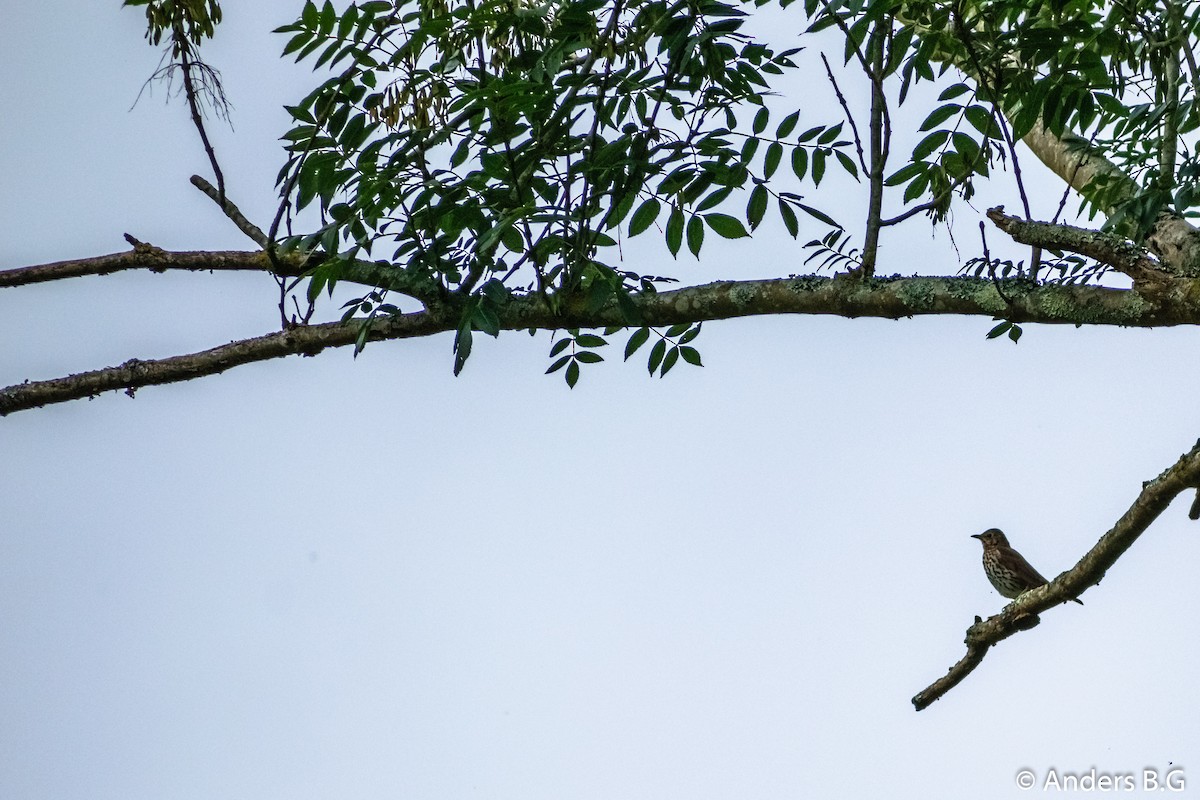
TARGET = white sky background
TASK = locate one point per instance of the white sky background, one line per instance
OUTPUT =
(318, 578)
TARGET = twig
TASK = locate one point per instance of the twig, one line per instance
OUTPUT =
(153, 259)
(837, 90)
(189, 90)
(381, 275)
(987, 257)
(232, 211)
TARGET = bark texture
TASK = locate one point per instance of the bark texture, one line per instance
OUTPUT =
(1173, 303)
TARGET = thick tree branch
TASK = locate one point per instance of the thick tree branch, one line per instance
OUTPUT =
(891, 298)
(1021, 613)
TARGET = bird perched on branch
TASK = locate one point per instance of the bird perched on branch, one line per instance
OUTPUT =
(1007, 569)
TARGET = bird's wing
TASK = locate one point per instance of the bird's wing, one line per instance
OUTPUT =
(1024, 569)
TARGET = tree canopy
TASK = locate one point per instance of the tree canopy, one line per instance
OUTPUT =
(479, 167)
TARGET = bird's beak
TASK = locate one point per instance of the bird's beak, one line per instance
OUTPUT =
(977, 536)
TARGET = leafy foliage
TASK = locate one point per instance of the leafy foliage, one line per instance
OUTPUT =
(505, 144)
(1109, 76)
(835, 250)
(182, 20)
(477, 150)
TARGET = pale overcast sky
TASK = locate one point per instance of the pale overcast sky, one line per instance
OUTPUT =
(328, 578)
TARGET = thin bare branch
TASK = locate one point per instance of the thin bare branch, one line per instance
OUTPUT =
(1021, 613)
(143, 256)
(232, 211)
(209, 78)
(841, 98)
(136, 373)
(286, 265)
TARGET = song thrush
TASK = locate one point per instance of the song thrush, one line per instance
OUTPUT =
(1007, 569)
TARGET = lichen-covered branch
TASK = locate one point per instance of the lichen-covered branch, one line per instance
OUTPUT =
(1177, 303)
(1107, 248)
(1021, 613)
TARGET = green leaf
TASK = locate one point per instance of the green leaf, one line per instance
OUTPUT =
(847, 163)
(296, 42)
(789, 218)
(590, 340)
(756, 208)
(981, 119)
(486, 320)
(512, 239)
(906, 173)
(715, 198)
(726, 226)
(572, 374)
(562, 362)
(328, 18)
(810, 133)
(926, 146)
(645, 215)
(636, 340)
(799, 162)
(462, 349)
(771, 162)
(491, 238)
(818, 166)
(656, 355)
(749, 148)
(675, 231)
(954, 91)
(828, 136)
(695, 234)
(620, 210)
(916, 188)
(999, 330)
(669, 361)
(677, 329)
(787, 126)
(760, 120)
(819, 215)
(691, 355)
(940, 115)
(559, 346)
(360, 341)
